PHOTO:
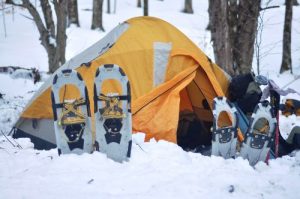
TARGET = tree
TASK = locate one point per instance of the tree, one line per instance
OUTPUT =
(295, 3)
(97, 15)
(53, 38)
(73, 13)
(108, 6)
(233, 26)
(188, 7)
(139, 3)
(146, 13)
(286, 63)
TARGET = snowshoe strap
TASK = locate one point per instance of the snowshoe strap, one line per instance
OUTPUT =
(72, 108)
(112, 108)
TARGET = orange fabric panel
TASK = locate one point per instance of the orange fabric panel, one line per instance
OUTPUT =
(41, 107)
(163, 102)
(195, 94)
(185, 103)
(207, 68)
(203, 85)
(143, 101)
(177, 64)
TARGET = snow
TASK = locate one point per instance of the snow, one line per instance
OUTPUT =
(52, 41)
(156, 169)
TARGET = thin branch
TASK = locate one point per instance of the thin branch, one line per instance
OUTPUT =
(39, 23)
(26, 17)
(270, 7)
(297, 77)
(5, 8)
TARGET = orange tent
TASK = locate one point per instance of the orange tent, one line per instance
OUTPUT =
(168, 74)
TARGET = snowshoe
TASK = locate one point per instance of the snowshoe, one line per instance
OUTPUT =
(72, 118)
(260, 134)
(113, 114)
(224, 137)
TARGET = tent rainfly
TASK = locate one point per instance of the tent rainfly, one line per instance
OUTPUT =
(168, 73)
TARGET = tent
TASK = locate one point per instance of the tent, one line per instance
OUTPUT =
(169, 75)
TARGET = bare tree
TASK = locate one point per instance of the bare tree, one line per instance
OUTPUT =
(97, 15)
(53, 38)
(188, 7)
(115, 6)
(146, 10)
(286, 63)
(3, 14)
(73, 13)
(233, 26)
(139, 3)
(295, 3)
(108, 6)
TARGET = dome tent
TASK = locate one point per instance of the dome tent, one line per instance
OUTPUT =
(168, 74)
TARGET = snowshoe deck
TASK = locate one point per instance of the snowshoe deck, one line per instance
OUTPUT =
(260, 134)
(224, 139)
(113, 114)
(72, 121)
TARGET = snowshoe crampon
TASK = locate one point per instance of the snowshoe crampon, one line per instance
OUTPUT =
(224, 135)
(72, 120)
(113, 114)
(260, 134)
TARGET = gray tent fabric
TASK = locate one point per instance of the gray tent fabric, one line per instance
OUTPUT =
(41, 132)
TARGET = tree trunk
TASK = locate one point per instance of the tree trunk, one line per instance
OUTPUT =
(73, 13)
(61, 9)
(139, 3)
(233, 27)
(146, 8)
(188, 7)
(286, 63)
(54, 44)
(46, 8)
(247, 15)
(210, 14)
(97, 15)
(220, 35)
(108, 6)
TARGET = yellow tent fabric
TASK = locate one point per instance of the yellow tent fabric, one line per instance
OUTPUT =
(155, 110)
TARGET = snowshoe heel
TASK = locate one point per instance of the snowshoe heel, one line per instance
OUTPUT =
(224, 138)
(260, 134)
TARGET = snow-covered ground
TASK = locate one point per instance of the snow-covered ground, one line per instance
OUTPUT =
(156, 169)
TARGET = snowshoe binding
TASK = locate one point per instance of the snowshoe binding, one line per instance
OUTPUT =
(113, 114)
(260, 134)
(72, 120)
(224, 136)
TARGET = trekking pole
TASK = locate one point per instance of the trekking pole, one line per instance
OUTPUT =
(17, 144)
(140, 147)
(8, 139)
(275, 101)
